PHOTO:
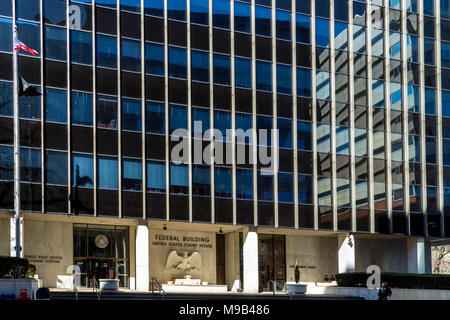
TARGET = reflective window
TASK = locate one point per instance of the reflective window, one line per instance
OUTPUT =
(29, 33)
(81, 46)
(244, 184)
(304, 135)
(201, 180)
(396, 96)
(200, 121)
(378, 93)
(396, 147)
(106, 3)
(359, 39)
(360, 142)
(343, 192)
(28, 10)
(6, 163)
(285, 187)
(445, 54)
(154, 59)
(222, 67)
(6, 9)
(106, 112)
(131, 115)
(324, 191)
(323, 8)
(6, 98)
(243, 124)
(395, 45)
(342, 140)
(303, 28)
(30, 165)
(130, 5)
(221, 13)
(323, 138)
(56, 105)
(305, 189)
(359, 13)
(176, 9)
(177, 117)
(413, 99)
(107, 173)
(304, 82)
(431, 150)
(82, 170)
(446, 103)
(179, 179)
(222, 182)
(55, 12)
(412, 44)
(340, 10)
(30, 107)
(284, 79)
(154, 7)
(199, 11)
(340, 35)
(55, 43)
(81, 108)
(263, 76)
(155, 117)
(377, 43)
(177, 62)
(242, 17)
(156, 176)
(56, 168)
(283, 25)
(222, 122)
(262, 21)
(130, 55)
(445, 9)
(446, 151)
(243, 72)
(414, 148)
(322, 32)
(200, 65)
(265, 186)
(323, 85)
(132, 175)
(264, 127)
(284, 127)
(430, 101)
(303, 6)
(6, 43)
(106, 51)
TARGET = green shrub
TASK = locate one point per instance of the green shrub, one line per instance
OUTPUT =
(397, 280)
(13, 267)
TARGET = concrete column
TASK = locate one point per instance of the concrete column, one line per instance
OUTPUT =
(251, 274)
(416, 255)
(142, 252)
(346, 253)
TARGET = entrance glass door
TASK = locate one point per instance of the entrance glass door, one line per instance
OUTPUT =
(272, 261)
(101, 269)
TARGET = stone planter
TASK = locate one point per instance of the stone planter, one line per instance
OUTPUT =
(10, 287)
(296, 288)
(109, 284)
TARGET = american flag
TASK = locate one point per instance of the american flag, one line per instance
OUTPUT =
(19, 45)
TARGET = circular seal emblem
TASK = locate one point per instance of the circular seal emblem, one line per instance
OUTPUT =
(101, 241)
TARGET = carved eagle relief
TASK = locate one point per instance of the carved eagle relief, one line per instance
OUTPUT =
(184, 262)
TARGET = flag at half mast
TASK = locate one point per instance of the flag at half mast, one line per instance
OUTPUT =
(19, 45)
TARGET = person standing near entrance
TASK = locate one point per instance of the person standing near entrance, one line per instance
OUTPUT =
(385, 291)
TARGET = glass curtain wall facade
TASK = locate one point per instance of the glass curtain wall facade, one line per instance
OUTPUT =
(359, 91)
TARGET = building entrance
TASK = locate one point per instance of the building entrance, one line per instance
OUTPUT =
(101, 252)
(272, 261)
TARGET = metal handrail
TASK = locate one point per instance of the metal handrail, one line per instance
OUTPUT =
(157, 285)
(96, 288)
(283, 288)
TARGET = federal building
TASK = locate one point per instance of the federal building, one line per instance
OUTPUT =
(358, 91)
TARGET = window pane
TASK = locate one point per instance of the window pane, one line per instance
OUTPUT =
(56, 105)
(323, 138)
(154, 7)
(156, 177)
(81, 44)
(323, 85)
(242, 17)
(106, 3)
(244, 184)
(222, 122)
(304, 82)
(6, 163)
(285, 187)
(199, 11)
(130, 55)
(131, 115)
(106, 112)
(243, 72)
(81, 108)
(222, 182)
(179, 179)
(107, 173)
(221, 69)
(30, 165)
(340, 35)
(200, 121)
(285, 133)
(55, 12)
(263, 76)
(30, 107)
(322, 33)
(154, 59)
(283, 25)
(201, 180)
(303, 28)
(342, 140)
(305, 189)
(56, 168)
(6, 98)
(221, 13)
(83, 170)
(55, 43)
(132, 175)
(284, 79)
(265, 186)
(106, 51)
(304, 135)
(200, 66)
(177, 62)
(262, 21)
(130, 5)
(155, 118)
(176, 9)
(177, 118)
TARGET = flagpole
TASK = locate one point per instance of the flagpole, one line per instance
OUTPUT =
(17, 250)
